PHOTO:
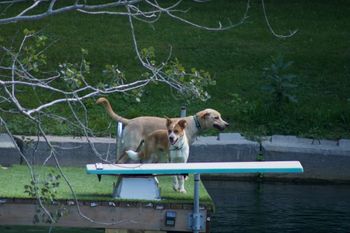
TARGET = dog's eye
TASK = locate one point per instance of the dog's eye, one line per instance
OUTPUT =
(176, 131)
(169, 131)
(216, 118)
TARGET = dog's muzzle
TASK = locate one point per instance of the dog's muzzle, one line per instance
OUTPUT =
(221, 127)
(172, 140)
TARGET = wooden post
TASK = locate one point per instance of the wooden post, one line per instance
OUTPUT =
(183, 111)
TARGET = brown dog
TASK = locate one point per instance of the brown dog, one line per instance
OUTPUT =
(138, 128)
(171, 143)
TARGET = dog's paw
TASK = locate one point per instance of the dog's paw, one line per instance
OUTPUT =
(183, 190)
(175, 188)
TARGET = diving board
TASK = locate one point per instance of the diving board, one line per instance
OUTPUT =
(195, 168)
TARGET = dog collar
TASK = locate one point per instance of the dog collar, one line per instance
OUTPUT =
(176, 148)
(196, 121)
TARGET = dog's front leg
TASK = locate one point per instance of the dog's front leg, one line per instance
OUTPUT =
(175, 183)
(181, 184)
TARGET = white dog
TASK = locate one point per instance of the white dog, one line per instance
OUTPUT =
(173, 142)
(179, 151)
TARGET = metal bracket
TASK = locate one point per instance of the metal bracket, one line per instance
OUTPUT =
(192, 222)
(145, 188)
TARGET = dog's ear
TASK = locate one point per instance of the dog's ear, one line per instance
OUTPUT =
(182, 123)
(168, 121)
(204, 114)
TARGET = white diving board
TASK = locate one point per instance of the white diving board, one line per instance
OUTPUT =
(195, 168)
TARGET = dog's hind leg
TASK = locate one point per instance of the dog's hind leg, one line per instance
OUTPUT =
(140, 145)
(123, 158)
(131, 154)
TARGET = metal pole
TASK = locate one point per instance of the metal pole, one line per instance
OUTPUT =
(196, 214)
(119, 137)
(183, 111)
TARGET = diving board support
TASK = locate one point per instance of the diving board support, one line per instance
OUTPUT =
(129, 187)
(196, 215)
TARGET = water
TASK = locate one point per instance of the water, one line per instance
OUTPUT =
(279, 207)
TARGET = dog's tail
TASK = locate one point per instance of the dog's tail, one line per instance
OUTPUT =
(105, 103)
(133, 155)
(136, 155)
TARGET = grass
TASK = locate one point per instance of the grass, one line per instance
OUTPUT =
(87, 187)
(236, 58)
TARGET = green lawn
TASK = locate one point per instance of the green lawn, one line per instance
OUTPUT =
(236, 58)
(86, 187)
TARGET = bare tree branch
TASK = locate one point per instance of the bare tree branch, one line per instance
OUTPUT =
(151, 15)
(69, 87)
(50, 11)
(291, 33)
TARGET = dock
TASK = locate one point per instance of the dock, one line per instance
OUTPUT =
(93, 206)
(74, 199)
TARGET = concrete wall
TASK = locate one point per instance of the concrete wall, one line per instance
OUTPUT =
(70, 151)
(322, 160)
(224, 148)
(8, 151)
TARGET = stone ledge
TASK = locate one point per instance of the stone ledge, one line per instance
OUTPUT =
(71, 151)
(293, 141)
(6, 142)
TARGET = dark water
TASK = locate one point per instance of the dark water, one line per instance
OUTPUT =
(279, 207)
